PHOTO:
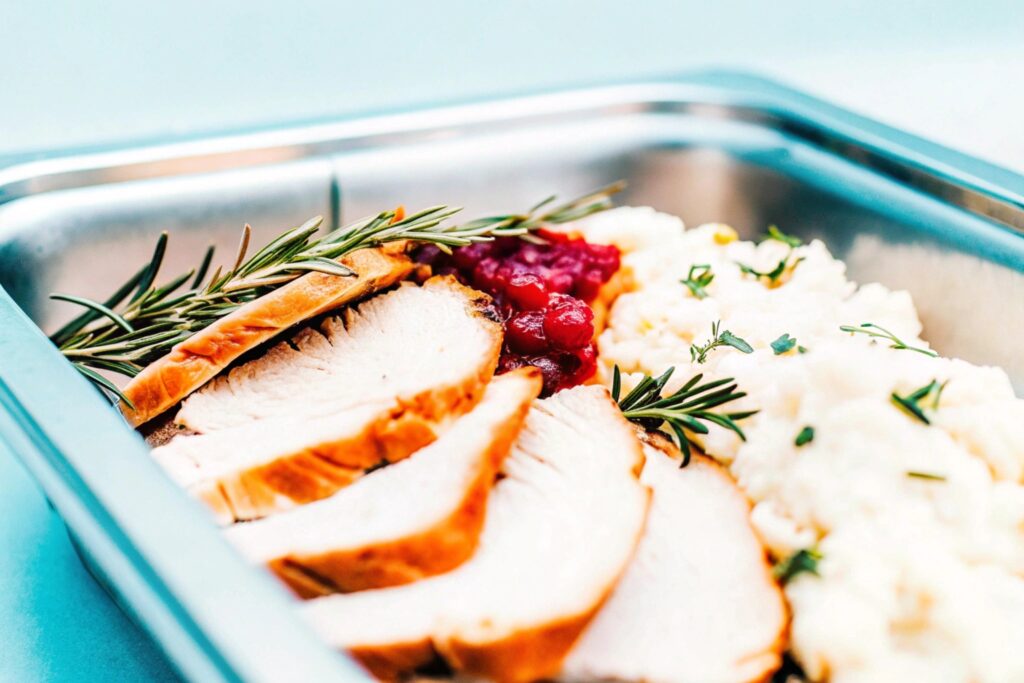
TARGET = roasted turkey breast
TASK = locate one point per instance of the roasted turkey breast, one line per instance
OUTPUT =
(195, 361)
(697, 603)
(312, 414)
(414, 519)
(561, 527)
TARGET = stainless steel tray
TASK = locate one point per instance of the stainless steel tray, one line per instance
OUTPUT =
(717, 146)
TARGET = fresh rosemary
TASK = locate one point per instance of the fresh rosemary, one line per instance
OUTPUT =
(805, 436)
(699, 277)
(699, 353)
(804, 560)
(915, 403)
(879, 332)
(142, 321)
(683, 410)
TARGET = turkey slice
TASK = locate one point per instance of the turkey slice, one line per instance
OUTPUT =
(411, 520)
(312, 414)
(561, 526)
(698, 602)
(196, 360)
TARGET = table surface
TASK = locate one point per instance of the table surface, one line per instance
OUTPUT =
(81, 74)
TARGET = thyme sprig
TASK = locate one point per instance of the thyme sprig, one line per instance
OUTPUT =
(699, 353)
(697, 280)
(915, 403)
(142, 321)
(879, 332)
(684, 410)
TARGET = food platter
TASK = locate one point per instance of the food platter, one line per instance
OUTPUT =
(710, 148)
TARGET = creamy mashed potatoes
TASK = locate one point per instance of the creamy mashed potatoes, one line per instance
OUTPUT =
(920, 526)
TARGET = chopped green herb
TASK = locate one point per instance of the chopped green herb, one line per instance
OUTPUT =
(699, 277)
(927, 476)
(801, 349)
(699, 354)
(783, 344)
(682, 410)
(775, 273)
(917, 401)
(805, 436)
(804, 560)
(775, 234)
(882, 333)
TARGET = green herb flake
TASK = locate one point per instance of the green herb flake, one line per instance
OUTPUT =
(775, 234)
(916, 402)
(783, 344)
(699, 353)
(927, 476)
(697, 280)
(804, 560)
(805, 436)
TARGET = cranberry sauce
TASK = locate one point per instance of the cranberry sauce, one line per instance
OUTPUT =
(542, 292)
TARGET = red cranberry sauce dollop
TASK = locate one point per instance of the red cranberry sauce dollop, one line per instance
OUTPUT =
(542, 292)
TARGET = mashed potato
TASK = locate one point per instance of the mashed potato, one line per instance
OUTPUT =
(920, 526)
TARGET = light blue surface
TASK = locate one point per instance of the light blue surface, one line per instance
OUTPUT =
(81, 74)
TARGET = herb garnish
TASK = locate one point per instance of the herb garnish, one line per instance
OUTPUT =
(699, 277)
(928, 476)
(699, 354)
(141, 321)
(775, 234)
(805, 436)
(882, 333)
(804, 560)
(682, 410)
(915, 402)
(783, 344)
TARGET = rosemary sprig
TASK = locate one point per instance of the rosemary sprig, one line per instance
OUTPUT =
(699, 277)
(803, 560)
(684, 410)
(879, 332)
(522, 224)
(699, 353)
(142, 321)
(917, 401)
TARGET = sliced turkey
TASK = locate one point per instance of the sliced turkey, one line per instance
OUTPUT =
(195, 361)
(309, 416)
(411, 520)
(425, 348)
(698, 602)
(561, 526)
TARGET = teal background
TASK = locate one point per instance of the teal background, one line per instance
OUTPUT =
(78, 74)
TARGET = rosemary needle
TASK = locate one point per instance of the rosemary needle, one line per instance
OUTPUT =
(683, 411)
(142, 321)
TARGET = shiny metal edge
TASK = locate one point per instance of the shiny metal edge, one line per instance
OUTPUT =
(981, 188)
